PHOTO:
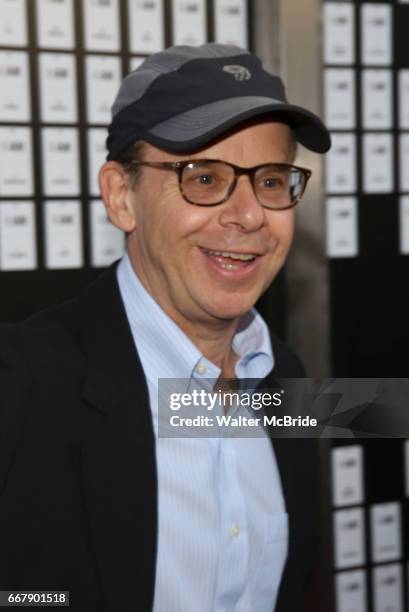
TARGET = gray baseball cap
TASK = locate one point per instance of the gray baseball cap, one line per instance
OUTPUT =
(182, 98)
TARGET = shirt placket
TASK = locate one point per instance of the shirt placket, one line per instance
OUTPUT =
(233, 532)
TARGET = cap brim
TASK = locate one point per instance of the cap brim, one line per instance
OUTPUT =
(197, 127)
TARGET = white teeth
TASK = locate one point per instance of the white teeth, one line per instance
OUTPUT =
(241, 256)
(229, 266)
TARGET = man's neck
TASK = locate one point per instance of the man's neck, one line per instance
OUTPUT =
(215, 343)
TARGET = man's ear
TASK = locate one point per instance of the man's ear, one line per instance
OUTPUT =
(115, 191)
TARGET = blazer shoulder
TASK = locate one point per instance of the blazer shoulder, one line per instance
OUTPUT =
(64, 316)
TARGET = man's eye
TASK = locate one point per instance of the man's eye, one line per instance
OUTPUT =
(271, 183)
(205, 179)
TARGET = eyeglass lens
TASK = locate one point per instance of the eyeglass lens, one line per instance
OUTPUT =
(211, 182)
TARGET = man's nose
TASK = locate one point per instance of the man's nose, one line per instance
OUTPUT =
(242, 209)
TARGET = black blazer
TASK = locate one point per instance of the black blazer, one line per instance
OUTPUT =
(78, 486)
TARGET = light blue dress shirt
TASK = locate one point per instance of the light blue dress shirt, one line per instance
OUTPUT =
(223, 527)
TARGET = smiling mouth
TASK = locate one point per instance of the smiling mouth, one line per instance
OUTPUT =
(230, 260)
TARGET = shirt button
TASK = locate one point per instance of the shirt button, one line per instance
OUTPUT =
(234, 531)
(201, 369)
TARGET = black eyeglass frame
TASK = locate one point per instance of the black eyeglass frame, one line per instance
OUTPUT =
(179, 167)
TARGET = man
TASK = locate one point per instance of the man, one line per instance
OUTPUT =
(200, 177)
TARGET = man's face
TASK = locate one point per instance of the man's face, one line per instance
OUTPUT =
(176, 246)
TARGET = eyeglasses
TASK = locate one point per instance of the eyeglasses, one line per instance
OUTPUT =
(209, 182)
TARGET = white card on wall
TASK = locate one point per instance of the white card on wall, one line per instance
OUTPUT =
(339, 20)
(376, 35)
(349, 538)
(340, 164)
(146, 26)
(404, 250)
(14, 86)
(351, 591)
(404, 162)
(97, 154)
(55, 24)
(347, 474)
(189, 22)
(63, 236)
(377, 99)
(342, 227)
(13, 23)
(378, 163)
(386, 532)
(103, 79)
(340, 98)
(107, 241)
(60, 161)
(101, 25)
(230, 22)
(387, 588)
(403, 87)
(16, 154)
(17, 236)
(58, 88)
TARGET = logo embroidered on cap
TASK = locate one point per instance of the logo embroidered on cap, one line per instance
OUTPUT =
(240, 73)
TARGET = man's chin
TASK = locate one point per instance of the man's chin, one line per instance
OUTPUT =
(230, 312)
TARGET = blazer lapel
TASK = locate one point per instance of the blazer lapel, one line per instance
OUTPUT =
(297, 460)
(283, 449)
(118, 453)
